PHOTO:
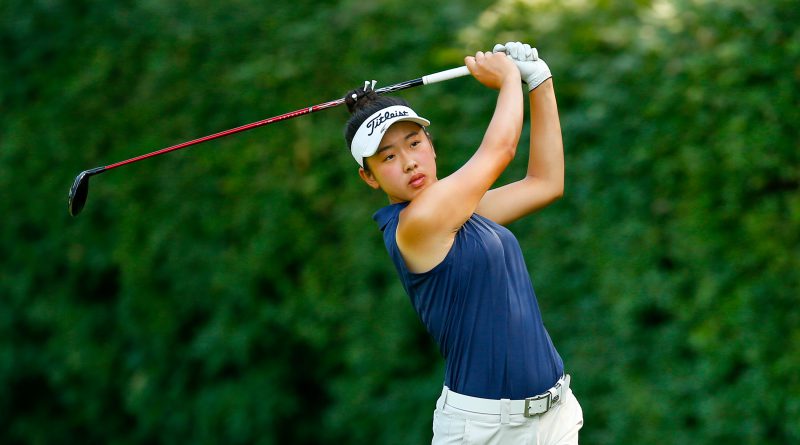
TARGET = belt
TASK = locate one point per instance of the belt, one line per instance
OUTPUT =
(529, 407)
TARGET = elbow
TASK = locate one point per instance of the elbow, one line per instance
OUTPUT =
(507, 145)
(554, 194)
(503, 151)
(503, 144)
(510, 149)
(548, 191)
(558, 190)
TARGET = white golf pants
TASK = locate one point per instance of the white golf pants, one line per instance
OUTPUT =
(558, 426)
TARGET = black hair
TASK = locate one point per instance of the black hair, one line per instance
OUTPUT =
(362, 104)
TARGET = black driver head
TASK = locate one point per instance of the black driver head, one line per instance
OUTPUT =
(80, 190)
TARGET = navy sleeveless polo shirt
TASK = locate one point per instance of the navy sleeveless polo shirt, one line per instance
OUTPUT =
(480, 307)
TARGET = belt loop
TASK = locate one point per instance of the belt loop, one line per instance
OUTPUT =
(505, 406)
(442, 399)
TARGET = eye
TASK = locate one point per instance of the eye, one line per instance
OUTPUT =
(388, 157)
(415, 143)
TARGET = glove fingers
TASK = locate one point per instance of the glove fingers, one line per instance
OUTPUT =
(528, 52)
(518, 51)
(523, 51)
(509, 49)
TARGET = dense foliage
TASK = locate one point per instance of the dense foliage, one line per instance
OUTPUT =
(678, 242)
(238, 292)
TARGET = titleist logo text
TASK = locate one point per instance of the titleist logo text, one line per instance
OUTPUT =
(381, 118)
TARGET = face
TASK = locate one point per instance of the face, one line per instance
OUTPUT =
(404, 165)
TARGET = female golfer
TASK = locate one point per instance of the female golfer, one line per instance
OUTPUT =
(463, 270)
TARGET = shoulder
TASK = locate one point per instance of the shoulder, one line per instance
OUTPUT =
(388, 215)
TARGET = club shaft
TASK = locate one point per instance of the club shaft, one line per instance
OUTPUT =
(425, 80)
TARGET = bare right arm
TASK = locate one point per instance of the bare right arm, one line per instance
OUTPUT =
(544, 180)
(429, 224)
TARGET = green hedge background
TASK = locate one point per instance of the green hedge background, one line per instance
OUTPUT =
(238, 292)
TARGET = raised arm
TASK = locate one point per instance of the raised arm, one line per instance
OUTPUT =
(428, 225)
(544, 179)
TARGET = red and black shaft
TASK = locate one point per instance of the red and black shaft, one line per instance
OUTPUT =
(80, 187)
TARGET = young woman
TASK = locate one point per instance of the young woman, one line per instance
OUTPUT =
(463, 270)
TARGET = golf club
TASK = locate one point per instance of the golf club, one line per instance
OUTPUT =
(80, 188)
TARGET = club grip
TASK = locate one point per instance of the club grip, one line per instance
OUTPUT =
(445, 75)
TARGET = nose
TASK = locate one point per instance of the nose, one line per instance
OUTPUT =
(410, 163)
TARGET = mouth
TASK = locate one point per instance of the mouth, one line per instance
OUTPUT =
(417, 180)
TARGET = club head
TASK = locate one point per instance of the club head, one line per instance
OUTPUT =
(78, 193)
(80, 190)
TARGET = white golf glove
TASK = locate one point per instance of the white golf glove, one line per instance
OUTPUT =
(533, 70)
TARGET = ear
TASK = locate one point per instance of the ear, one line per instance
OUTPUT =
(369, 178)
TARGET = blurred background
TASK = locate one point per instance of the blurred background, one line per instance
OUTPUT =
(238, 292)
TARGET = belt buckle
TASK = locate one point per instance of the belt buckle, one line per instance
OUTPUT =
(547, 406)
(552, 395)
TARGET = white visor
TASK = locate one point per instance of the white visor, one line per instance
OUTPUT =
(368, 137)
